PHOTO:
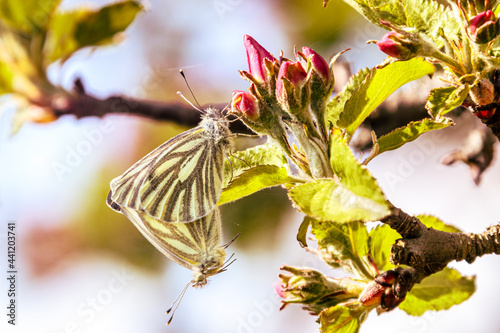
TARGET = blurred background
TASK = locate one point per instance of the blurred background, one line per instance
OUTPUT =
(84, 268)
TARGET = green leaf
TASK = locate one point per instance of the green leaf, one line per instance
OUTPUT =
(70, 31)
(327, 200)
(377, 86)
(344, 245)
(410, 132)
(444, 100)
(425, 16)
(381, 239)
(438, 292)
(266, 154)
(343, 319)
(352, 175)
(336, 105)
(28, 16)
(433, 222)
(253, 180)
(254, 169)
(496, 8)
(302, 234)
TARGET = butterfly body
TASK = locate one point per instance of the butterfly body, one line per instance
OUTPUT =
(181, 180)
(194, 245)
(171, 196)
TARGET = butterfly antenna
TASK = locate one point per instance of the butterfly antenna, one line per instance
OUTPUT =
(190, 90)
(225, 246)
(176, 303)
(189, 102)
(228, 263)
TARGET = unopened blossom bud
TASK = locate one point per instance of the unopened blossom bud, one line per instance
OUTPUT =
(316, 291)
(278, 287)
(304, 286)
(390, 300)
(256, 57)
(292, 93)
(290, 85)
(484, 27)
(259, 116)
(320, 84)
(398, 46)
(372, 295)
(380, 292)
(294, 97)
(483, 92)
(318, 64)
(245, 103)
(481, 99)
(387, 278)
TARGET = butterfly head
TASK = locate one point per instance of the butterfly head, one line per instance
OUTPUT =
(216, 127)
(214, 114)
(213, 264)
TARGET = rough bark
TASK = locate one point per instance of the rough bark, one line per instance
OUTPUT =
(428, 251)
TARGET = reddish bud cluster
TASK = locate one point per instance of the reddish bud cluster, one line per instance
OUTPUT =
(288, 96)
(288, 87)
(380, 292)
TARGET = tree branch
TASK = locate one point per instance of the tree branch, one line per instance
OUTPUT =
(428, 251)
(80, 104)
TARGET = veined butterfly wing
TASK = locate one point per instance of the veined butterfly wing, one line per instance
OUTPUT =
(181, 180)
(194, 245)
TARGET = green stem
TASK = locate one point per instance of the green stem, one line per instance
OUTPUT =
(316, 152)
(447, 60)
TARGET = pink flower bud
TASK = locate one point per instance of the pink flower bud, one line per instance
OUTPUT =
(480, 20)
(278, 287)
(245, 103)
(372, 295)
(255, 57)
(484, 27)
(318, 63)
(294, 73)
(390, 46)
